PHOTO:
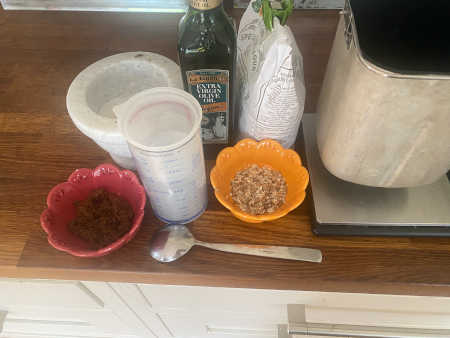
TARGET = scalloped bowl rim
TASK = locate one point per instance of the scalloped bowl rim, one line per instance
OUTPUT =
(234, 209)
(51, 238)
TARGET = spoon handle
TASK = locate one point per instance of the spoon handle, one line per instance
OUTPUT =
(284, 252)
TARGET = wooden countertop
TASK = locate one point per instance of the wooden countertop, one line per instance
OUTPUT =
(41, 52)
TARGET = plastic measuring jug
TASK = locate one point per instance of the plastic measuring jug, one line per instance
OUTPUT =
(162, 128)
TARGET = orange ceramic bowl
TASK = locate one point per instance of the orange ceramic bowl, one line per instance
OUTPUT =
(266, 152)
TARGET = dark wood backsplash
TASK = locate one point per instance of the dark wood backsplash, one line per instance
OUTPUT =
(37, 39)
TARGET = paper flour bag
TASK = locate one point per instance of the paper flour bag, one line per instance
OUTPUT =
(271, 90)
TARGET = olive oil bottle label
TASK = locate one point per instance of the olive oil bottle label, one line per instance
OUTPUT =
(204, 4)
(211, 88)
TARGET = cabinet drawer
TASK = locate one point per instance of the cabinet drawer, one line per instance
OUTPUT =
(21, 326)
(40, 320)
(254, 300)
(196, 324)
(417, 327)
(345, 306)
(199, 311)
(59, 308)
(13, 326)
(52, 294)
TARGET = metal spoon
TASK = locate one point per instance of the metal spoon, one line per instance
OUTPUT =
(175, 240)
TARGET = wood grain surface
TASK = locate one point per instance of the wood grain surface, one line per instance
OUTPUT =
(41, 52)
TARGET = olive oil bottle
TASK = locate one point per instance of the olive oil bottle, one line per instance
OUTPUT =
(207, 55)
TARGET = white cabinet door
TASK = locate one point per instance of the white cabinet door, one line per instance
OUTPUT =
(215, 324)
(200, 312)
(52, 308)
(204, 311)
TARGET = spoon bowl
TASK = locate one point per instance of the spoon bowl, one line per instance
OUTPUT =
(171, 242)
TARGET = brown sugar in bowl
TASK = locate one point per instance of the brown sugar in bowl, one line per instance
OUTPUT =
(61, 208)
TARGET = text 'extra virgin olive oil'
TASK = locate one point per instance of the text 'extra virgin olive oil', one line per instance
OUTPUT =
(207, 55)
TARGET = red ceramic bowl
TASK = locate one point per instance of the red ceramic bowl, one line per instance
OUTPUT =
(61, 209)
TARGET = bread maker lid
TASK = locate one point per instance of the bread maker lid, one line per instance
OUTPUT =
(405, 37)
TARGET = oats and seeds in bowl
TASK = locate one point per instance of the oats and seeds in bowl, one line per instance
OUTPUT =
(258, 190)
